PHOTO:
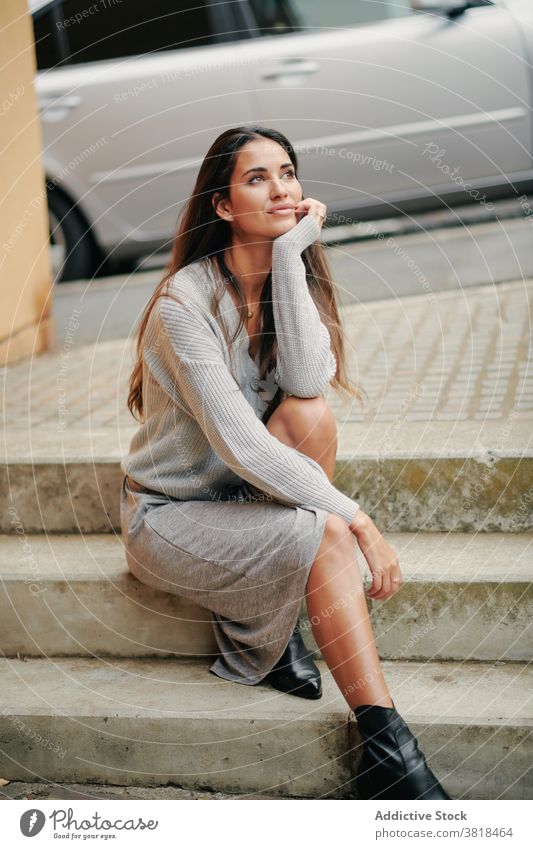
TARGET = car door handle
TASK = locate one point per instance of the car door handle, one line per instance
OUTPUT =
(62, 102)
(54, 107)
(293, 67)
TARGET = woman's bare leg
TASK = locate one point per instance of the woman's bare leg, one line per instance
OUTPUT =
(338, 613)
(336, 602)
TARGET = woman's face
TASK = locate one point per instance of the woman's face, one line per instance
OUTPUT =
(254, 194)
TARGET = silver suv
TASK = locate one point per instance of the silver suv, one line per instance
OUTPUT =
(393, 106)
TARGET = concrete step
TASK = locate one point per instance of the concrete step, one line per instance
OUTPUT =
(458, 479)
(44, 790)
(158, 722)
(464, 597)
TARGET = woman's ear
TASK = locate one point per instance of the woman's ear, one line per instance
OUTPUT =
(219, 207)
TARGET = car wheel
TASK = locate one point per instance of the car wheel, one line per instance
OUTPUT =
(72, 249)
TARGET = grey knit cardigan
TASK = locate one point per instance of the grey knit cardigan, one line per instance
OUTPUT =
(202, 429)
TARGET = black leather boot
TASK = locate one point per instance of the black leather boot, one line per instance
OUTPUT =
(296, 672)
(392, 765)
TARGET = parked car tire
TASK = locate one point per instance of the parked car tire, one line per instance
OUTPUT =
(74, 253)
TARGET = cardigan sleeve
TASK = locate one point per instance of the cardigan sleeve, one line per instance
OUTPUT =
(305, 362)
(203, 382)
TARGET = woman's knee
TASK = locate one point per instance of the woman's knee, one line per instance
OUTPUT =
(335, 558)
(337, 537)
(306, 417)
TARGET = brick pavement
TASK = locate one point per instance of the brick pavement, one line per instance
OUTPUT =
(453, 356)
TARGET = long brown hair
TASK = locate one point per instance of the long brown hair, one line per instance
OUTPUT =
(202, 233)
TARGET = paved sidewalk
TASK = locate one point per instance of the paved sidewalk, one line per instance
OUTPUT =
(454, 363)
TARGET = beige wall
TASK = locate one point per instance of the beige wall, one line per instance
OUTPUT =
(25, 273)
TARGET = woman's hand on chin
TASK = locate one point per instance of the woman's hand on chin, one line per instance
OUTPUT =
(309, 206)
(299, 237)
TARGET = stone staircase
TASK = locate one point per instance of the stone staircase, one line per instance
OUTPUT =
(104, 680)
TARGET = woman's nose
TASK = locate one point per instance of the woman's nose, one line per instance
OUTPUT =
(278, 187)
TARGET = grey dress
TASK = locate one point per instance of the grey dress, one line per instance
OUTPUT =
(245, 560)
(213, 507)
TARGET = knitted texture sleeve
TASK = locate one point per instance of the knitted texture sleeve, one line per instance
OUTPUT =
(305, 362)
(203, 381)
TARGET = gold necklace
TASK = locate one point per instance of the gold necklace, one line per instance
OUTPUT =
(227, 272)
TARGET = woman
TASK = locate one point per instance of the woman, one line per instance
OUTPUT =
(228, 497)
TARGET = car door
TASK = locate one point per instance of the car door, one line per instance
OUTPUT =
(128, 114)
(381, 101)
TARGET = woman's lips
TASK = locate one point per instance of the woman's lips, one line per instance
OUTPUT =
(287, 211)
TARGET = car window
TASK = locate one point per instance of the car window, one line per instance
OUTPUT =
(46, 43)
(278, 16)
(273, 17)
(131, 27)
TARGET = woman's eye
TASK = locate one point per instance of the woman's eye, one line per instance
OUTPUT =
(289, 173)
